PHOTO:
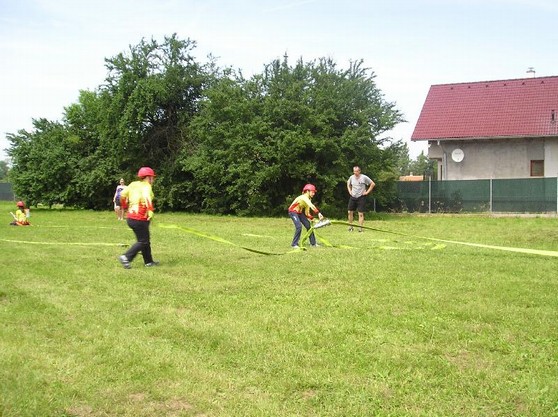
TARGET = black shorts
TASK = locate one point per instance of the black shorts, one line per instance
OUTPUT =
(357, 203)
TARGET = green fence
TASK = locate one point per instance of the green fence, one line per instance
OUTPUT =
(525, 195)
(6, 193)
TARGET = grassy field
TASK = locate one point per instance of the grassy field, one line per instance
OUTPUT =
(390, 325)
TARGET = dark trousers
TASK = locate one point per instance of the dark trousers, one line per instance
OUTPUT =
(143, 244)
(299, 219)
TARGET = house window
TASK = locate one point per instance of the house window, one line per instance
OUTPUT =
(537, 168)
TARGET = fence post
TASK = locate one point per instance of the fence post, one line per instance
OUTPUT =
(429, 194)
(490, 193)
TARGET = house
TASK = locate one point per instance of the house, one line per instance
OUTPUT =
(492, 129)
(411, 177)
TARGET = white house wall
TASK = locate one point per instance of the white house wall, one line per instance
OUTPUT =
(551, 158)
(494, 158)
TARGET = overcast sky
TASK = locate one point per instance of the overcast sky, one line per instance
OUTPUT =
(52, 49)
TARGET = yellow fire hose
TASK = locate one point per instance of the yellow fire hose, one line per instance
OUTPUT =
(455, 242)
(312, 229)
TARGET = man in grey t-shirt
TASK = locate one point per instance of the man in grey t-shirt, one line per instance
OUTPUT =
(359, 186)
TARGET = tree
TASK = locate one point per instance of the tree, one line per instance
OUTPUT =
(4, 170)
(98, 167)
(423, 166)
(154, 92)
(259, 140)
(43, 166)
(403, 159)
(139, 117)
(151, 96)
(219, 142)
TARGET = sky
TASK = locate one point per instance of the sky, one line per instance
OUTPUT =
(52, 49)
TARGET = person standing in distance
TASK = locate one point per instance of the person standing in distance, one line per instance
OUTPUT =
(137, 198)
(116, 200)
(358, 186)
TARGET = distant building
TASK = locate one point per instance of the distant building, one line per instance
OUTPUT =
(411, 178)
(492, 129)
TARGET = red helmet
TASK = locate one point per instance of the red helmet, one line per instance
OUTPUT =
(146, 172)
(20, 204)
(309, 187)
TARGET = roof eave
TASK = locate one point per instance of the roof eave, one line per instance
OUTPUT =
(485, 138)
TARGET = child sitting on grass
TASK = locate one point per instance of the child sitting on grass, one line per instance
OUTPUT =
(20, 216)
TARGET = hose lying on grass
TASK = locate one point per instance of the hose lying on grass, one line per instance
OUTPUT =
(312, 229)
(455, 242)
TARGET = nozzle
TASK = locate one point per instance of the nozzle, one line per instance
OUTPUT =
(322, 223)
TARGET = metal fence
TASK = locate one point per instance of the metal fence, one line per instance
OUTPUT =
(525, 195)
(6, 192)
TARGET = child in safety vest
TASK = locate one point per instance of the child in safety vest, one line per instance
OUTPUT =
(21, 215)
(299, 212)
(138, 199)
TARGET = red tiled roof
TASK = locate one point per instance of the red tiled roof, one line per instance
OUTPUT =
(489, 109)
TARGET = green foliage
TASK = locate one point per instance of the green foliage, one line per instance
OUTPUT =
(97, 164)
(218, 142)
(44, 166)
(151, 96)
(4, 170)
(260, 140)
(403, 159)
(422, 166)
(139, 117)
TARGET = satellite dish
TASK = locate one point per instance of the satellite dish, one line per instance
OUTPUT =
(457, 155)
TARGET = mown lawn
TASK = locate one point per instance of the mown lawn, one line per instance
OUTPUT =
(389, 325)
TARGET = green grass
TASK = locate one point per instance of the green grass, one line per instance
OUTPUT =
(395, 326)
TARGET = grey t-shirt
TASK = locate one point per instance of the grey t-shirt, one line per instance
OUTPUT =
(358, 185)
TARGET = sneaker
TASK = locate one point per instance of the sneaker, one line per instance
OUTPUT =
(360, 230)
(124, 261)
(296, 247)
(350, 228)
(316, 245)
(150, 264)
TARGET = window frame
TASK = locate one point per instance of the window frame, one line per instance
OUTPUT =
(536, 167)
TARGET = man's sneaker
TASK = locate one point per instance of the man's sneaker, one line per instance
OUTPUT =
(150, 264)
(315, 245)
(360, 230)
(296, 247)
(124, 261)
(350, 228)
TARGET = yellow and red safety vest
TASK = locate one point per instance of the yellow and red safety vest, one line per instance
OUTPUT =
(138, 199)
(303, 204)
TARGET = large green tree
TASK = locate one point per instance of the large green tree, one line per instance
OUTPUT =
(151, 94)
(139, 116)
(220, 143)
(44, 165)
(154, 92)
(259, 140)
(97, 162)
